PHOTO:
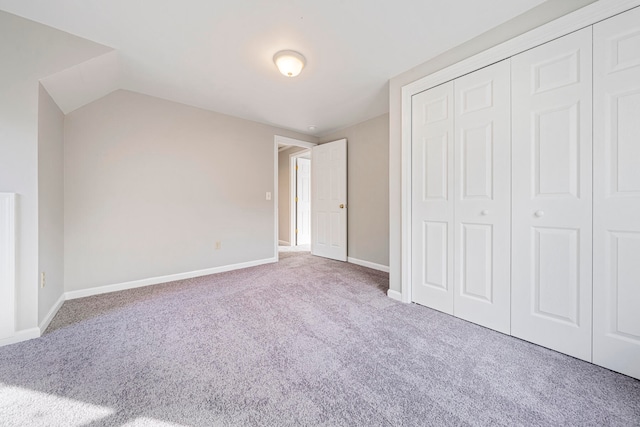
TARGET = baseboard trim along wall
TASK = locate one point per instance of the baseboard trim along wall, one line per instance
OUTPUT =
(37, 332)
(283, 243)
(163, 279)
(51, 314)
(19, 336)
(394, 295)
(368, 264)
(32, 333)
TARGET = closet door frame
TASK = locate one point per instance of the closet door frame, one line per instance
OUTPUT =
(574, 21)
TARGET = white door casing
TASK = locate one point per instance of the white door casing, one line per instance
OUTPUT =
(329, 200)
(616, 194)
(7, 264)
(432, 198)
(303, 202)
(483, 197)
(552, 194)
(282, 141)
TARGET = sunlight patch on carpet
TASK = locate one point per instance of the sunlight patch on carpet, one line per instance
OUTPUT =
(25, 407)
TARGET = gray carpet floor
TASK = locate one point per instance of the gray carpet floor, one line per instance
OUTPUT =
(308, 342)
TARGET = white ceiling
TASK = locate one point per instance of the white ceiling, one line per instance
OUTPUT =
(217, 54)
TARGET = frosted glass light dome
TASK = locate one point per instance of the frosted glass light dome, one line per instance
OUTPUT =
(289, 62)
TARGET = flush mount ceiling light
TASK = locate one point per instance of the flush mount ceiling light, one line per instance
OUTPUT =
(289, 62)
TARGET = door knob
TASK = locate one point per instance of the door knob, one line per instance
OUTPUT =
(539, 213)
(341, 206)
(484, 212)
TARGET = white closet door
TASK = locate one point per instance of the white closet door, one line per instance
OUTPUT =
(552, 195)
(432, 198)
(616, 227)
(483, 197)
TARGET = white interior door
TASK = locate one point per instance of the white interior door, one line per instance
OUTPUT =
(552, 195)
(303, 201)
(616, 227)
(432, 198)
(483, 197)
(329, 200)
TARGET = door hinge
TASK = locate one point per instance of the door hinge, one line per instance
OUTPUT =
(296, 231)
(296, 200)
(296, 167)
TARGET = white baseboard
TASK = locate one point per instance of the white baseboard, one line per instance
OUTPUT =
(283, 243)
(394, 295)
(32, 333)
(51, 314)
(27, 334)
(163, 279)
(368, 264)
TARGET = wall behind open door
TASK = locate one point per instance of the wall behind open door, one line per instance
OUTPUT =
(368, 190)
(329, 200)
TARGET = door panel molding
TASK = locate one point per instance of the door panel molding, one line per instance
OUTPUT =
(552, 226)
(482, 198)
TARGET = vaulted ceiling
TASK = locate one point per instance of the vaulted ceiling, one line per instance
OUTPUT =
(217, 54)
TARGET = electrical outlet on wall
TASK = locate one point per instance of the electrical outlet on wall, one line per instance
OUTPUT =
(42, 280)
(218, 245)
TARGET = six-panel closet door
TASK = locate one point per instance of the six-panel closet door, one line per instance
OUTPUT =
(432, 198)
(482, 197)
(616, 167)
(551, 284)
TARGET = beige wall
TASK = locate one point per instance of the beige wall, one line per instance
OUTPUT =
(151, 185)
(50, 202)
(546, 12)
(284, 193)
(28, 53)
(367, 188)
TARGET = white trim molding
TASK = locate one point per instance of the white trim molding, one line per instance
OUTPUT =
(7, 265)
(368, 264)
(37, 332)
(99, 290)
(293, 190)
(564, 25)
(394, 295)
(284, 243)
(19, 336)
(285, 140)
(51, 314)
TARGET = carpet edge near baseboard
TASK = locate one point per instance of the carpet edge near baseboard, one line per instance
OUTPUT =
(19, 336)
(52, 313)
(98, 290)
(395, 295)
(368, 264)
(37, 332)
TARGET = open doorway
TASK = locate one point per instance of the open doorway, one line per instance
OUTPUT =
(300, 203)
(327, 195)
(287, 152)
